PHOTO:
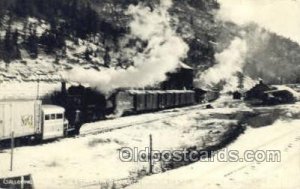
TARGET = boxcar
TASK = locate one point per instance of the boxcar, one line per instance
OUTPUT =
(148, 101)
(160, 99)
(140, 101)
(177, 99)
(21, 117)
(31, 119)
(154, 96)
(135, 101)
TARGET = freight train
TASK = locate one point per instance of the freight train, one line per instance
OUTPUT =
(69, 109)
(84, 105)
(136, 101)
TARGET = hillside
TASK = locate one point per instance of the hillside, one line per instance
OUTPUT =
(271, 57)
(41, 38)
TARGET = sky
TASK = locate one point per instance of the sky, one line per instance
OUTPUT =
(278, 16)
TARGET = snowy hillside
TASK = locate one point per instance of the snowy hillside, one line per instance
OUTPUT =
(44, 41)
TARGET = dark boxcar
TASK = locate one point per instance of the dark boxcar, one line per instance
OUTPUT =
(169, 99)
(164, 100)
(147, 101)
(187, 98)
(154, 100)
(140, 101)
(182, 99)
(173, 99)
(177, 99)
(160, 100)
(191, 97)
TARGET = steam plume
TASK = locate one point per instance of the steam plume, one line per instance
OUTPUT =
(229, 62)
(162, 54)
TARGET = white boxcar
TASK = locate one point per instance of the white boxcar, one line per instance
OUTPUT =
(21, 117)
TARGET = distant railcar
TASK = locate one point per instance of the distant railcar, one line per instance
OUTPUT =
(206, 95)
(136, 101)
(211, 95)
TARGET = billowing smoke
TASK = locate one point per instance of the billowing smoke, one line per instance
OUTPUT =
(161, 55)
(271, 57)
(230, 62)
(278, 16)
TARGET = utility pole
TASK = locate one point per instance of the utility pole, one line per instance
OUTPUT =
(12, 145)
(12, 140)
(38, 89)
(150, 156)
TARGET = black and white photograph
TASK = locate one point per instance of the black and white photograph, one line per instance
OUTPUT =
(149, 94)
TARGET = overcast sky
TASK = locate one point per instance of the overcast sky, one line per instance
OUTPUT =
(279, 16)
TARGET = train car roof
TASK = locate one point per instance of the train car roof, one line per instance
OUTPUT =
(47, 108)
(132, 91)
(11, 100)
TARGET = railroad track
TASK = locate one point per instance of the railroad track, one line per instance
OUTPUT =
(184, 111)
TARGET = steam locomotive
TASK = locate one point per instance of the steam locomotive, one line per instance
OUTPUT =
(84, 104)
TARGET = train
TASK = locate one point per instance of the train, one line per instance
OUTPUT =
(70, 108)
(84, 104)
(138, 101)
(31, 120)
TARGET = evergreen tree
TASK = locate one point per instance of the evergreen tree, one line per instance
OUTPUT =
(106, 57)
(32, 44)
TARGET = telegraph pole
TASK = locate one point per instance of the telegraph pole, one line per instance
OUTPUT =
(38, 89)
(150, 156)
(12, 140)
(12, 145)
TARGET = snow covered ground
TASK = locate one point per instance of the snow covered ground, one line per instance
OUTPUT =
(282, 135)
(92, 159)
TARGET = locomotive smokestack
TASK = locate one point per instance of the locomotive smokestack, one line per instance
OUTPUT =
(63, 87)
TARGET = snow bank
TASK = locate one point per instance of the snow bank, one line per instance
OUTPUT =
(283, 136)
